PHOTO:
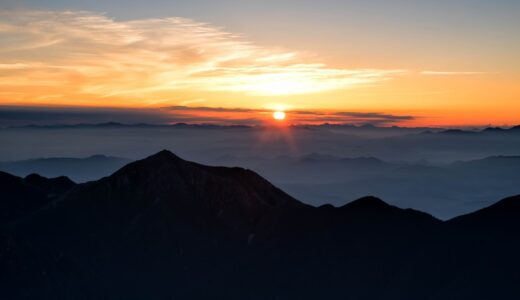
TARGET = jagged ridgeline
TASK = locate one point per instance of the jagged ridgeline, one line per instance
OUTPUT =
(166, 228)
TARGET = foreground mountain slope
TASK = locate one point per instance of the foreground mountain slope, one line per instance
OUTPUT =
(166, 228)
(23, 196)
(159, 215)
(503, 214)
(165, 188)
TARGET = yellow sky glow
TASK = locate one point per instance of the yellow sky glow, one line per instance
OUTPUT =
(88, 59)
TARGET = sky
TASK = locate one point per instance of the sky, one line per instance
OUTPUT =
(407, 63)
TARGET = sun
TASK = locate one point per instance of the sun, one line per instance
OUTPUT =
(279, 115)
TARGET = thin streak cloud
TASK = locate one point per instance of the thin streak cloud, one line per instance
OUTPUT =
(452, 73)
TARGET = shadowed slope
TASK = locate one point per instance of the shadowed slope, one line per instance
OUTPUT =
(166, 228)
(503, 216)
(23, 196)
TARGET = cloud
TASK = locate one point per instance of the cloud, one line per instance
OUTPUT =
(451, 73)
(210, 109)
(25, 115)
(374, 117)
(295, 116)
(186, 102)
(90, 58)
(30, 115)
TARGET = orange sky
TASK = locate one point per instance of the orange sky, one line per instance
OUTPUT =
(88, 59)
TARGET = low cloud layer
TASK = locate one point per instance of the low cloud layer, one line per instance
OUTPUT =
(21, 116)
(301, 116)
(90, 58)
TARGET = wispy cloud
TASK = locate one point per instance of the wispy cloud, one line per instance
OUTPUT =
(374, 117)
(191, 101)
(86, 56)
(210, 109)
(451, 73)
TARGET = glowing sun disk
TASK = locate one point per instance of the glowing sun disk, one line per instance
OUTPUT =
(279, 115)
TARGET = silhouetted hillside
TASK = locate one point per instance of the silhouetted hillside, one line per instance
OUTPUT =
(502, 215)
(166, 228)
(23, 196)
(375, 210)
(50, 186)
(79, 169)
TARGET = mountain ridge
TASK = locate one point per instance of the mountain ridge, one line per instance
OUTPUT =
(154, 162)
(165, 226)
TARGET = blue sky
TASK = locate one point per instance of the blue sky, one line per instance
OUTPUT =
(340, 27)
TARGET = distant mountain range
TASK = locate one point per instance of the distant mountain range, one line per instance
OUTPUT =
(365, 127)
(166, 228)
(514, 129)
(142, 125)
(445, 190)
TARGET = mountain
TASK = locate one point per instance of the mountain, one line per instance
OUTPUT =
(376, 210)
(492, 164)
(487, 130)
(51, 187)
(501, 130)
(23, 196)
(163, 190)
(444, 190)
(457, 132)
(79, 169)
(167, 228)
(502, 215)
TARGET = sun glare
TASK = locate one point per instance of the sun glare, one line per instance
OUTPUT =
(279, 115)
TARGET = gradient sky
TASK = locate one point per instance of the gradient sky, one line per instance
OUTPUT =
(435, 63)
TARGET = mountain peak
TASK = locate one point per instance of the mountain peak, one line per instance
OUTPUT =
(37, 179)
(500, 218)
(369, 203)
(164, 154)
(57, 185)
(162, 161)
(504, 211)
(509, 203)
(376, 211)
(164, 183)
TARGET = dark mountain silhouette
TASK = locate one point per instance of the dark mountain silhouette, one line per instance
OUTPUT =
(23, 196)
(166, 228)
(513, 129)
(79, 169)
(50, 186)
(502, 215)
(493, 129)
(164, 190)
(457, 132)
(487, 130)
(380, 211)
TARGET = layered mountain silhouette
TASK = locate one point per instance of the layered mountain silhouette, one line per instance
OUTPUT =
(24, 196)
(166, 228)
(78, 169)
